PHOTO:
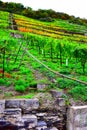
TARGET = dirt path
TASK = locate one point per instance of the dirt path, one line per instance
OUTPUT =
(39, 77)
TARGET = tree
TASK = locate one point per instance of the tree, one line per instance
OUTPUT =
(1, 3)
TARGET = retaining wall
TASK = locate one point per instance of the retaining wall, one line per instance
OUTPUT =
(25, 114)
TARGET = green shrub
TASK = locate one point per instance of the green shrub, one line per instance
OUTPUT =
(29, 96)
(8, 83)
(66, 83)
(20, 88)
(8, 94)
(64, 71)
(2, 81)
(79, 92)
(25, 71)
(20, 82)
(33, 84)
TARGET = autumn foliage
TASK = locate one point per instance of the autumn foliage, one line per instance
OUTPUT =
(5, 74)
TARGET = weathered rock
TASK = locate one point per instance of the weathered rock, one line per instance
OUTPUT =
(41, 86)
(4, 123)
(61, 102)
(20, 123)
(22, 129)
(50, 113)
(16, 111)
(2, 106)
(53, 128)
(79, 128)
(12, 103)
(12, 115)
(40, 116)
(25, 104)
(42, 128)
(41, 125)
(33, 111)
(77, 118)
(31, 120)
(29, 104)
(52, 118)
(56, 93)
(8, 126)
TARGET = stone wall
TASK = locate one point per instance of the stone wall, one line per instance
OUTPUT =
(16, 114)
(26, 114)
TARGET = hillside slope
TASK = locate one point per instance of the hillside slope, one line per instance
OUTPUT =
(59, 45)
(58, 29)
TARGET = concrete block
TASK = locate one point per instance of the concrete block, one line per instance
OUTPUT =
(77, 118)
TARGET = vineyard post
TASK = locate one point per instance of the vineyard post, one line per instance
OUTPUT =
(43, 50)
(66, 62)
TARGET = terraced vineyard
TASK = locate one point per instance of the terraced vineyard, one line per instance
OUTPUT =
(42, 49)
(58, 29)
